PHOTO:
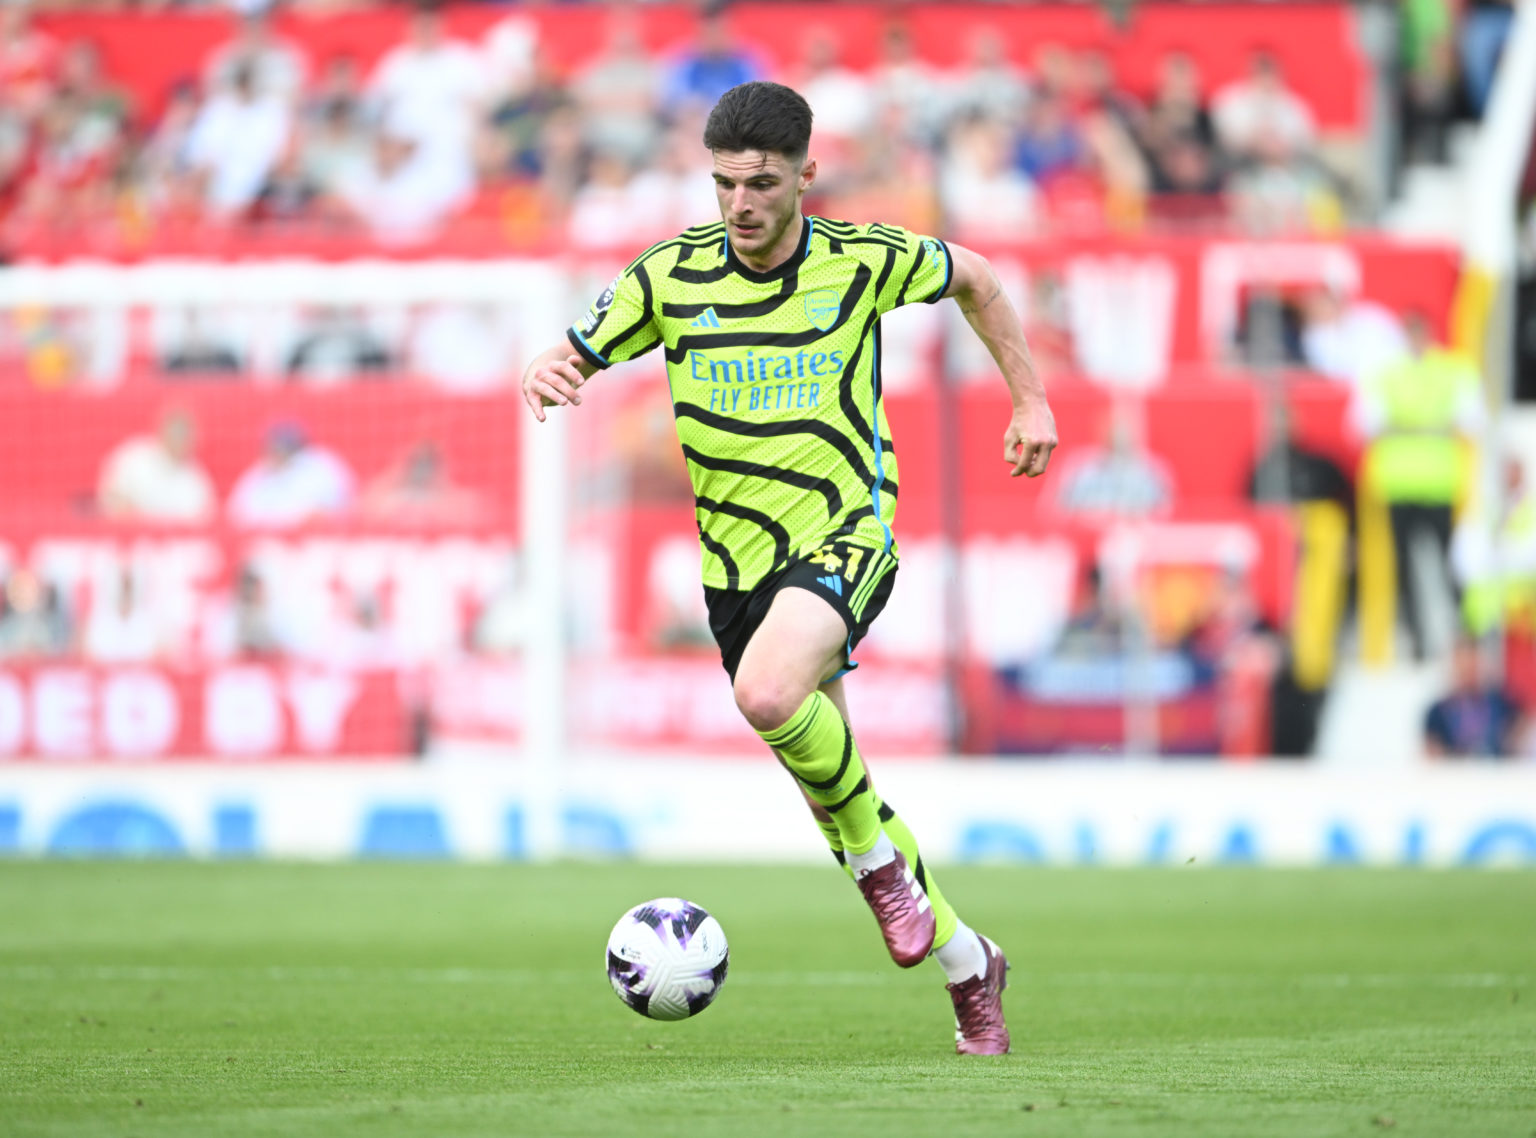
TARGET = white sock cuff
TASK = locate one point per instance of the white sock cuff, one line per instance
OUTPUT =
(962, 956)
(883, 852)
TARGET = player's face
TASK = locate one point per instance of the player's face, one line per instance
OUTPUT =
(759, 194)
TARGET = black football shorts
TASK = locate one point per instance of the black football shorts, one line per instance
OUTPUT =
(854, 579)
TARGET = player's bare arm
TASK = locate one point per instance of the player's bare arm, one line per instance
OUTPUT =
(1031, 434)
(554, 378)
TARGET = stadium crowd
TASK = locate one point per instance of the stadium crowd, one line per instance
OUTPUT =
(443, 131)
(442, 128)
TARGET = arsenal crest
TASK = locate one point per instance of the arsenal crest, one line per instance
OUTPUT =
(821, 308)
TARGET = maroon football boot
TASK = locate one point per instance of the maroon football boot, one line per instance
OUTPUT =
(902, 908)
(979, 1026)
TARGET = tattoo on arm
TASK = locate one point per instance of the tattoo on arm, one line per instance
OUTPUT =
(997, 291)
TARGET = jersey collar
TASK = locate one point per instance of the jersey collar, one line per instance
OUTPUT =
(779, 271)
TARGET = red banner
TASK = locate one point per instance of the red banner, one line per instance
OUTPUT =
(242, 710)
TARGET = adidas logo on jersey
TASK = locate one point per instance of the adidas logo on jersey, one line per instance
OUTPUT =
(706, 319)
(833, 583)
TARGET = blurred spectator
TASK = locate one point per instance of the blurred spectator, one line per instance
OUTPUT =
(510, 56)
(199, 348)
(104, 106)
(1419, 413)
(1493, 554)
(33, 619)
(1476, 718)
(337, 345)
(988, 82)
(889, 174)
(1177, 110)
(1291, 472)
(337, 93)
(28, 59)
(15, 137)
(1426, 96)
(840, 98)
(1049, 143)
(708, 68)
(121, 629)
(1096, 88)
(430, 90)
(1117, 167)
(294, 482)
(163, 159)
(246, 624)
(675, 191)
(418, 489)
(1278, 189)
(1185, 182)
(1485, 26)
(74, 156)
(1348, 339)
(1053, 71)
(602, 216)
(157, 477)
(985, 196)
(1099, 628)
(1117, 477)
(288, 194)
(1260, 115)
(335, 149)
(276, 67)
(235, 141)
(402, 195)
(361, 640)
(903, 81)
(1048, 325)
(1234, 645)
(1179, 139)
(538, 132)
(617, 93)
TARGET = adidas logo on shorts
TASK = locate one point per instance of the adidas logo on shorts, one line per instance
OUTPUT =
(833, 583)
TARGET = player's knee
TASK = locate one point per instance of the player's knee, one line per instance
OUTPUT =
(767, 702)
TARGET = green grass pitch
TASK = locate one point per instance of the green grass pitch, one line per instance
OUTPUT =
(146, 999)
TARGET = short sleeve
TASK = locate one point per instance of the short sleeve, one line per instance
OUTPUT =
(621, 324)
(923, 269)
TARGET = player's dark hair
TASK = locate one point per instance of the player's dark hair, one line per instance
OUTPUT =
(761, 116)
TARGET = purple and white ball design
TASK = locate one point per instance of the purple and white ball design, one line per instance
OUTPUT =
(667, 958)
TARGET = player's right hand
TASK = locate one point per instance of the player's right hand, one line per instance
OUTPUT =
(553, 383)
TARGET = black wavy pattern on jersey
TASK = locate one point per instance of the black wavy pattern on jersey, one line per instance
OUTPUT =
(845, 396)
(645, 317)
(686, 239)
(772, 528)
(727, 562)
(786, 291)
(678, 352)
(917, 261)
(778, 428)
(823, 486)
(700, 276)
(850, 234)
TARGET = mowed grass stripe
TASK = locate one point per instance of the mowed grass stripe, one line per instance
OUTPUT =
(302, 1000)
(343, 975)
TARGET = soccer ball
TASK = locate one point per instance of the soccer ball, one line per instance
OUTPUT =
(667, 958)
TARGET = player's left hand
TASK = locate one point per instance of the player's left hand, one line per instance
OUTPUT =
(1030, 438)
